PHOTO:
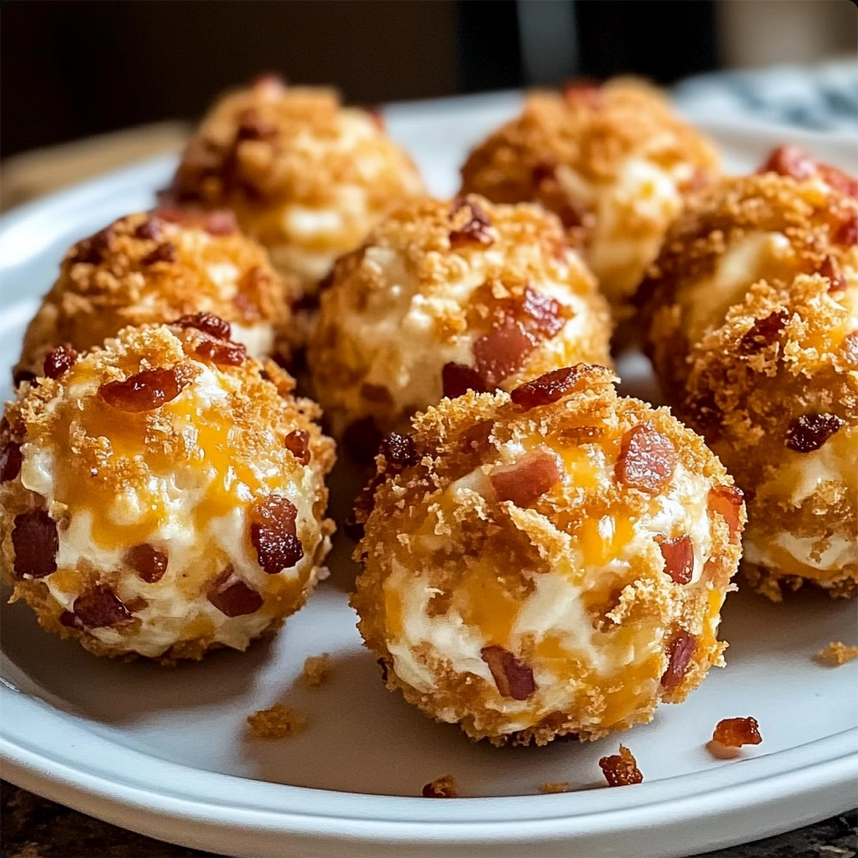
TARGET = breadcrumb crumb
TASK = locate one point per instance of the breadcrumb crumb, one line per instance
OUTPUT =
(554, 786)
(317, 668)
(278, 722)
(837, 653)
(443, 787)
(621, 769)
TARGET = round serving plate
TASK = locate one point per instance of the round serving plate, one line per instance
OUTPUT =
(166, 751)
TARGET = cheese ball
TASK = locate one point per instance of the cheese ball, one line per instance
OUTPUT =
(304, 175)
(546, 562)
(163, 495)
(445, 297)
(795, 217)
(612, 161)
(154, 268)
(775, 389)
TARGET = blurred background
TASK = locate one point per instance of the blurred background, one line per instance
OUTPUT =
(75, 68)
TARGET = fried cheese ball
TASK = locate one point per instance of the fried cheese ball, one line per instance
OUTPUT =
(163, 495)
(305, 176)
(154, 268)
(546, 562)
(775, 389)
(795, 217)
(444, 297)
(612, 161)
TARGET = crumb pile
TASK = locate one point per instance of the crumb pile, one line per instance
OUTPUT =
(305, 176)
(444, 297)
(612, 161)
(752, 317)
(551, 561)
(162, 495)
(155, 268)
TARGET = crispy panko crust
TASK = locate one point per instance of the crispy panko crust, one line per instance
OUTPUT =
(268, 147)
(144, 269)
(420, 293)
(94, 462)
(679, 301)
(521, 545)
(783, 353)
(564, 149)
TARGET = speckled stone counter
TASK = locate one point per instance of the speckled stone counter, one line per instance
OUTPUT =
(33, 827)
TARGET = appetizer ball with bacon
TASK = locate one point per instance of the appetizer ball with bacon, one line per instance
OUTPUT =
(163, 495)
(444, 297)
(305, 176)
(612, 161)
(794, 217)
(775, 389)
(546, 562)
(154, 268)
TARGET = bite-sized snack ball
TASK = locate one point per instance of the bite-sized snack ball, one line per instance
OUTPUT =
(775, 390)
(449, 296)
(163, 495)
(612, 161)
(305, 176)
(772, 226)
(546, 562)
(155, 268)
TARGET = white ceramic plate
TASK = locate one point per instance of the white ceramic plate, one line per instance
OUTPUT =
(165, 751)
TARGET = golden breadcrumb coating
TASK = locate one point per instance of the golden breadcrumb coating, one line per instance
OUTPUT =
(446, 296)
(153, 268)
(278, 722)
(837, 653)
(163, 495)
(305, 176)
(775, 391)
(745, 229)
(547, 562)
(612, 161)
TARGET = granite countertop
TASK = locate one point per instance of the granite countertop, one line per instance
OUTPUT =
(36, 828)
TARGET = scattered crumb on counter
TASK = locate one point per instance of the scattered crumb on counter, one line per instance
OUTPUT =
(443, 787)
(317, 668)
(837, 653)
(278, 722)
(556, 786)
(621, 769)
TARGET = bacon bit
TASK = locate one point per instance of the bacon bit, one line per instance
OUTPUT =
(831, 271)
(810, 431)
(149, 563)
(475, 229)
(149, 230)
(512, 677)
(502, 351)
(100, 607)
(647, 459)
(208, 323)
(735, 732)
(543, 171)
(399, 451)
(621, 769)
(59, 361)
(232, 597)
(36, 542)
(220, 222)
(362, 439)
(10, 453)
(837, 653)
(457, 379)
(165, 252)
(587, 92)
(92, 250)
(22, 375)
(273, 534)
(525, 481)
(790, 161)
(69, 620)
(297, 442)
(764, 332)
(251, 126)
(548, 315)
(443, 787)
(680, 653)
(678, 558)
(727, 501)
(553, 385)
(847, 232)
(147, 390)
(220, 353)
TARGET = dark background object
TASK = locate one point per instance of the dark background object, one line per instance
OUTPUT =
(73, 68)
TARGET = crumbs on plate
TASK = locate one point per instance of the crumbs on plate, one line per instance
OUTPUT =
(621, 769)
(443, 787)
(317, 668)
(278, 722)
(554, 786)
(837, 653)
